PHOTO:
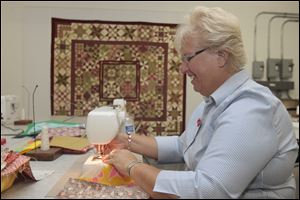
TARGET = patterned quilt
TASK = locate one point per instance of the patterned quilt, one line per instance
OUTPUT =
(94, 62)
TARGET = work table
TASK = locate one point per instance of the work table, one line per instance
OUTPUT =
(40, 189)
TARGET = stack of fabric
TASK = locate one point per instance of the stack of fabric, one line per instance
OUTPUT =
(12, 164)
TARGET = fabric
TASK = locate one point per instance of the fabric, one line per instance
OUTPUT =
(244, 148)
(30, 145)
(71, 143)
(10, 157)
(14, 164)
(64, 131)
(108, 175)
(95, 62)
(78, 189)
(36, 128)
(8, 181)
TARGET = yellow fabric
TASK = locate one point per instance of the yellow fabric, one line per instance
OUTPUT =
(29, 146)
(69, 142)
(7, 181)
(110, 176)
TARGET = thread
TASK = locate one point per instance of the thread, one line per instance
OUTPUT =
(33, 115)
(45, 139)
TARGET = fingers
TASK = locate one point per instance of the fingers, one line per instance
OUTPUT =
(108, 158)
(116, 155)
(108, 149)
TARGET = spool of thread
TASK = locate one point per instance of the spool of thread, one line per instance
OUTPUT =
(45, 139)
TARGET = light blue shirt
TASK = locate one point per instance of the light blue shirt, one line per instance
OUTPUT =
(244, 148)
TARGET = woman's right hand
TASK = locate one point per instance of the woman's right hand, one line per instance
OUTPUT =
(119, 142)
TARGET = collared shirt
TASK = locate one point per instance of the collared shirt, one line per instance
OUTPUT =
(239, 143)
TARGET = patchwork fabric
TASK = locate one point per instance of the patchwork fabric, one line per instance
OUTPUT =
(95, 62)
(18, 162)
(108, 175)
(64, 131)
(79, 189)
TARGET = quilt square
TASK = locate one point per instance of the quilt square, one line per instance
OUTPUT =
(94, 62)
(119, 79)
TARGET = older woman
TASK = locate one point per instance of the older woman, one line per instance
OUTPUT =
(239, 142)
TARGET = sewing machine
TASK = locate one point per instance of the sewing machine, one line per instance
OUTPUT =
(8, 108)
(102, 125)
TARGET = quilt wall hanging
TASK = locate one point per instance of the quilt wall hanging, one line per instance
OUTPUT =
(94, 62)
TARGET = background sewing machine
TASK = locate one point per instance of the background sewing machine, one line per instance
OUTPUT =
(8, 108)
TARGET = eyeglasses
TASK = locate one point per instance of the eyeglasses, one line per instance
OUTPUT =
(188, 58)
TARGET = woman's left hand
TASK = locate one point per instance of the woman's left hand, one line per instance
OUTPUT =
(120, 158)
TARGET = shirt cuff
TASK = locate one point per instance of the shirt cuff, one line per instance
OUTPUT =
(168, 145)
(176, 183)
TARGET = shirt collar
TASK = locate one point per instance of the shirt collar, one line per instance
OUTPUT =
(209, 99)
(229, 86)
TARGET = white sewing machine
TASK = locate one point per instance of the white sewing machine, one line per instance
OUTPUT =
(8, 108)
(102, 125)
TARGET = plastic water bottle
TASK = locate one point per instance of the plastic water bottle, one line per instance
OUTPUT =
(129, 125)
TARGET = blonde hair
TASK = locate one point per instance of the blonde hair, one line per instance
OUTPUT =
(214, 28)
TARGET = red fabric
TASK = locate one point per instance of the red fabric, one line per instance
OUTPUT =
(3, 141)
(14, 162)
(11, 157)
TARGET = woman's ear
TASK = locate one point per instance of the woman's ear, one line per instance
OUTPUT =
(222, 58)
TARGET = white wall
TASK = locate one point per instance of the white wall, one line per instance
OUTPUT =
(26, 38)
